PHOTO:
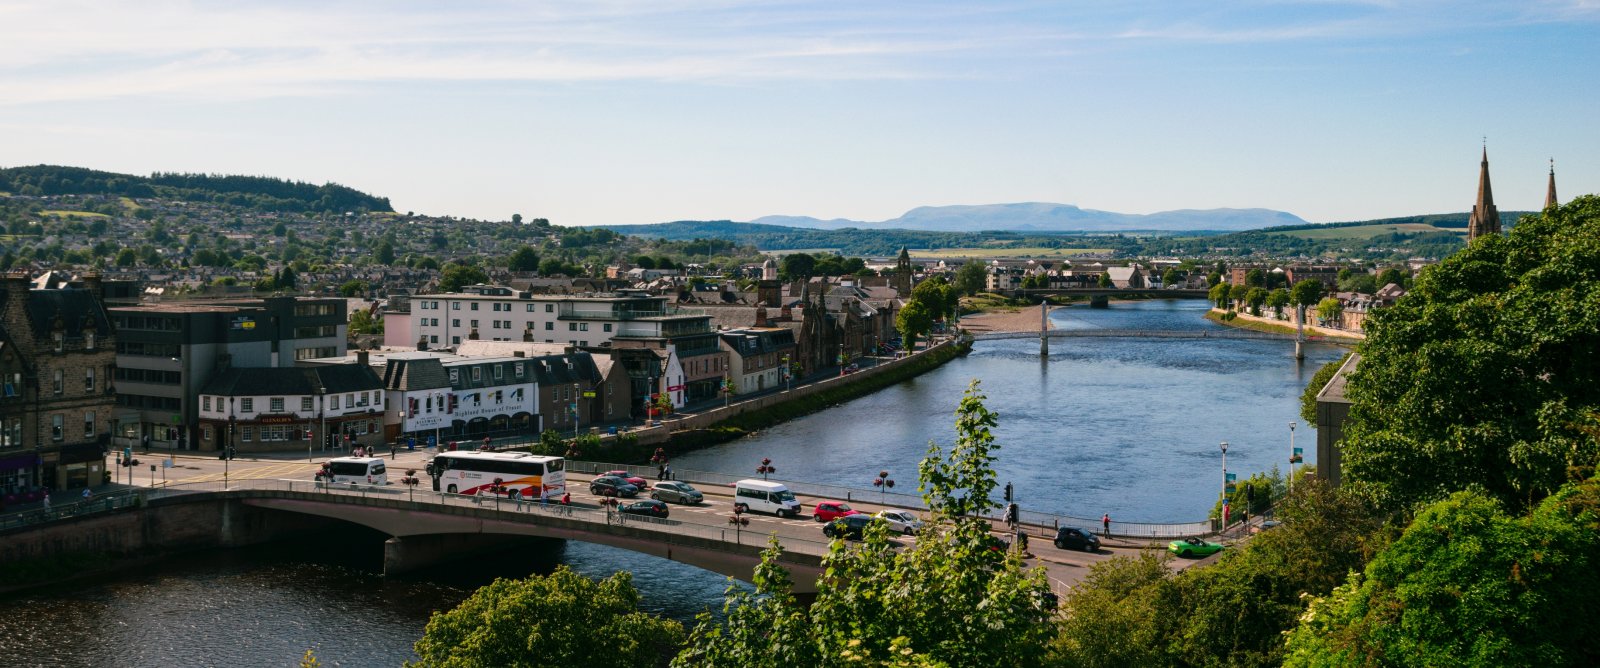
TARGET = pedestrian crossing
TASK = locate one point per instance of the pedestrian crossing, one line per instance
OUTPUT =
(292, 470)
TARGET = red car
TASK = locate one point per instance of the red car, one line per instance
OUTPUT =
(632, 479)
(828, 511)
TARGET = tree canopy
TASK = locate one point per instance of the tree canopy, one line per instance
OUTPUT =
(1484, 375)
(561, 619)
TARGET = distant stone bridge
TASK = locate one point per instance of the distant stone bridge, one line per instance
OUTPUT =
(1142, 334)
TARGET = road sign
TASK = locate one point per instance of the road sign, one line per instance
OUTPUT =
(588, 395)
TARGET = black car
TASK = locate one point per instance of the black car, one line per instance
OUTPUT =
(848, 526)
(647, 508)
(610, 485)
(1069, 538)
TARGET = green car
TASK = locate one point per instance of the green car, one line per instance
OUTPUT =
(1193, 547)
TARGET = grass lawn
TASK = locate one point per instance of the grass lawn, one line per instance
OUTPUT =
(1365, 231)
(69, 214)
(1005, 252)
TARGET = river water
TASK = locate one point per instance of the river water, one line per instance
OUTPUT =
(1128, 427)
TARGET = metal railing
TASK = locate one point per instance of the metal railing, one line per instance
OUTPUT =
(911, 501)
(94, 505)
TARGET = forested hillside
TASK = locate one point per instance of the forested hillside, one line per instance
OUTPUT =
(259, 193)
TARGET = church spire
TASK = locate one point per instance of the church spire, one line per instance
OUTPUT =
(1550, 195)
(1485, 217)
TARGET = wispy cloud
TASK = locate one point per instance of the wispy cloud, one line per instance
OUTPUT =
(67, 50)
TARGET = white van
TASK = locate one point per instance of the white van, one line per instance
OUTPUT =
(765, 497)
(356, 471)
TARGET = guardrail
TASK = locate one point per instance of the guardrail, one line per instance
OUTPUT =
(666, 530)
(903, 500)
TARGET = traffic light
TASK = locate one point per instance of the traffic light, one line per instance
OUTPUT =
(1008, 492)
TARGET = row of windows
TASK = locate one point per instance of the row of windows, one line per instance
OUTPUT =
(159, 324)
(149, 376)
(473, 306)
(58, 382)
(60, 340)
(58, 426)
(506, 324)
(151, 349)
(147, 402)
(304, 310)
(276, 404)
(316, 331)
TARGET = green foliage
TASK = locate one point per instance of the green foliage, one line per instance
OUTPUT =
(523, 259)
(363, 322)
(1469, 584)
(971, 278)
(354, 288)
(1319, 380)
(1219, 294)
(1170, 276)
(309, 660)
(456, 276)
(797, 266)
(946, 601)
(1255, 298)
(913, 320)
(1132, 611)
(1305, 292)
(1329, 310)
(937, 296)
(1278, 298)
(562, 619)
(1105, 281)
(256, 192)
(1484, 375)
(384, 254)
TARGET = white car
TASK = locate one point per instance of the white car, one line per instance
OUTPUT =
(900, 521)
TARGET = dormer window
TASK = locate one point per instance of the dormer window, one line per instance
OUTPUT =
(88, 340)
(60, 339)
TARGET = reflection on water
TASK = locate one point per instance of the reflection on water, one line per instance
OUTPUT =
(1124, 426)
(1129, 427)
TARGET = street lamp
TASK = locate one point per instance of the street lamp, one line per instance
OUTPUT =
(766, 467)
(884, 484)
(575, 415)
(1224, 484)
(788, 374)
(1294, 456)
(227, 449)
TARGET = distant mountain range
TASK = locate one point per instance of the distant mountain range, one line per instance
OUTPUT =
(1049, 217)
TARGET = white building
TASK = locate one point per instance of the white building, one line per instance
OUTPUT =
(498, 313)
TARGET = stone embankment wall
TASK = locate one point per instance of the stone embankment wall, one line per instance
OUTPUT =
(1311, 329)
(865, 380)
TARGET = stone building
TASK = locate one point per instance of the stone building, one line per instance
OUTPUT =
(57, 353)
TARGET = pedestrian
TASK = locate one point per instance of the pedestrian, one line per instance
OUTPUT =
(394, 449)
(1022, 543)
(517, 499)
(1011, 515)
(47, 499)
(566, 498)
(661, 472)
(486, 442)
(87, 494)
(669, 472)
(1105, 525)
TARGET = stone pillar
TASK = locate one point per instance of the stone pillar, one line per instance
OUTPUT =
(1044, 329)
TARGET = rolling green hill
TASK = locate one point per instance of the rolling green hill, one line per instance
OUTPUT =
(255, 192)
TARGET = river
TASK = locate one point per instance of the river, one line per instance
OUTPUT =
(1128, 427)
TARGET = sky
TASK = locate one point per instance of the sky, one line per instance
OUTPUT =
(611, 112)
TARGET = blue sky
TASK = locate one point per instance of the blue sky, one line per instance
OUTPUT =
(607, 112)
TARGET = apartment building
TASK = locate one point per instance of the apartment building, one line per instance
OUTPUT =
(499, 313)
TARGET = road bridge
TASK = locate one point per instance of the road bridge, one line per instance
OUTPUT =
(1141, 334)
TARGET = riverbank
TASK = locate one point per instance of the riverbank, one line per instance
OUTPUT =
(1261, 324)
(1019, 320)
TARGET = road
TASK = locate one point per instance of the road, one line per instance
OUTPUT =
(1064, 567)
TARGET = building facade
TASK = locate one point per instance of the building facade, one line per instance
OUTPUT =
(167, 352)
(758, 358)
(57, 352)
(499, 313)
(329, 407)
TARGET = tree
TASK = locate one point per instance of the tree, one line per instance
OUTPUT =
(1255, 298)
(456, 276)
(1255, 278)
(1319, 380)
(384, 253)
(798, 266)
(516, 219)
(524, 259)
(644, 262)
(1393, 275)
(937, 296)
(1329, 311)
(1105, 280)
(127, 257)
(280, 229)
(1171, 277)
(552, 620)
(1277, 299)
(363, 322)
(354, 288)
(1238, 293)
(1470, 584)
(1484, 375)
(946, 601)
(1306, 293)
(1219, 294)
(913, 320)
(286, 279)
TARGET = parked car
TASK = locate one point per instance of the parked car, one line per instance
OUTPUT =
(649, 508)
(676, 492)
(632, 479)
(1194, 547)
(900, 521)
(610, 485)
(848, 526)
(828, 511)
(1076, 539)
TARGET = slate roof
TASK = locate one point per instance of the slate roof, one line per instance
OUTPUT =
(292, 381)
(415, 374)
(72, 304)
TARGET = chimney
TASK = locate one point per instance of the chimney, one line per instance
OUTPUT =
(786, 313)
(761, 316)
(93, 282)
(527, 336)
(422, 342)
(473, 334)
(362, 358)
(519, 353)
